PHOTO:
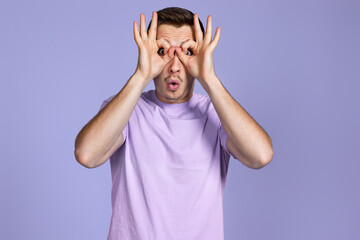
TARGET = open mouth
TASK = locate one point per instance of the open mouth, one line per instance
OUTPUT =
(173, 86)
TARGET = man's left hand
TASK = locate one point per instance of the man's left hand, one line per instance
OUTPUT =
(197, 55)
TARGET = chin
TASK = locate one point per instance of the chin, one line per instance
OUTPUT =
(172, 97)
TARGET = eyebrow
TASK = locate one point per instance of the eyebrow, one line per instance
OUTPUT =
(180, 43)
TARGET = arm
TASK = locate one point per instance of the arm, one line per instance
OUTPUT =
(247, 141)
(100, 138)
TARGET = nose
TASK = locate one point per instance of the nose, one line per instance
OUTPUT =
(175, 63)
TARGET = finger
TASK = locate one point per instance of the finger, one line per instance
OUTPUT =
(181, 55)
(171, 52)
(162, 43)
(153, 27)
(208, 33)
(143, 27)
(189, 44)
(137, 36)
(215, 41)
(168, 56)
(198, 32)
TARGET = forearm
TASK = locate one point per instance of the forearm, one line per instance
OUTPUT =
(101, 132)
(245, 133)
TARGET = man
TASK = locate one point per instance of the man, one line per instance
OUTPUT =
(169, 148)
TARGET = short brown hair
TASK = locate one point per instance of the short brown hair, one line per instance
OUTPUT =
(176, 16)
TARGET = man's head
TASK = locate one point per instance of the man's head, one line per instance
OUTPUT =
(175, 25)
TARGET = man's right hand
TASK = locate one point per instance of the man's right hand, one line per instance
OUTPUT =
(150, 62)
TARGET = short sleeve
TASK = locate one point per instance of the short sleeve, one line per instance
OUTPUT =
(223, 138)
(105, 102)
(225, 154)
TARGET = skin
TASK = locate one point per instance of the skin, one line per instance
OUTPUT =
(186, 55)
(174, 69)
(247, 141)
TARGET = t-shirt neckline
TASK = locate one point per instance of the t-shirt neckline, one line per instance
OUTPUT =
(172, 108)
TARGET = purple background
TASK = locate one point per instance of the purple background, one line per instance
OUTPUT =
(293, 65)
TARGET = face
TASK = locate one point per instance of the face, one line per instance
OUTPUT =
(175, 69)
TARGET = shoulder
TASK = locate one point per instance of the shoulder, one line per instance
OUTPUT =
(203, 101)
(199, 98)
(106, 101)
(144, 97)
(147, 100)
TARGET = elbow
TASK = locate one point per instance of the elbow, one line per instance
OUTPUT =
(83, 159)
(82, 156)
(264, 160)
(266, 157)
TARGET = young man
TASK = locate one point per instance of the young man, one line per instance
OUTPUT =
(169, 148)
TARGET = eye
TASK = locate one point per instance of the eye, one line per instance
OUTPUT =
(161, 52)
(189, 52)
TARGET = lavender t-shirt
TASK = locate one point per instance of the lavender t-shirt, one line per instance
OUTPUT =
(168, 176)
